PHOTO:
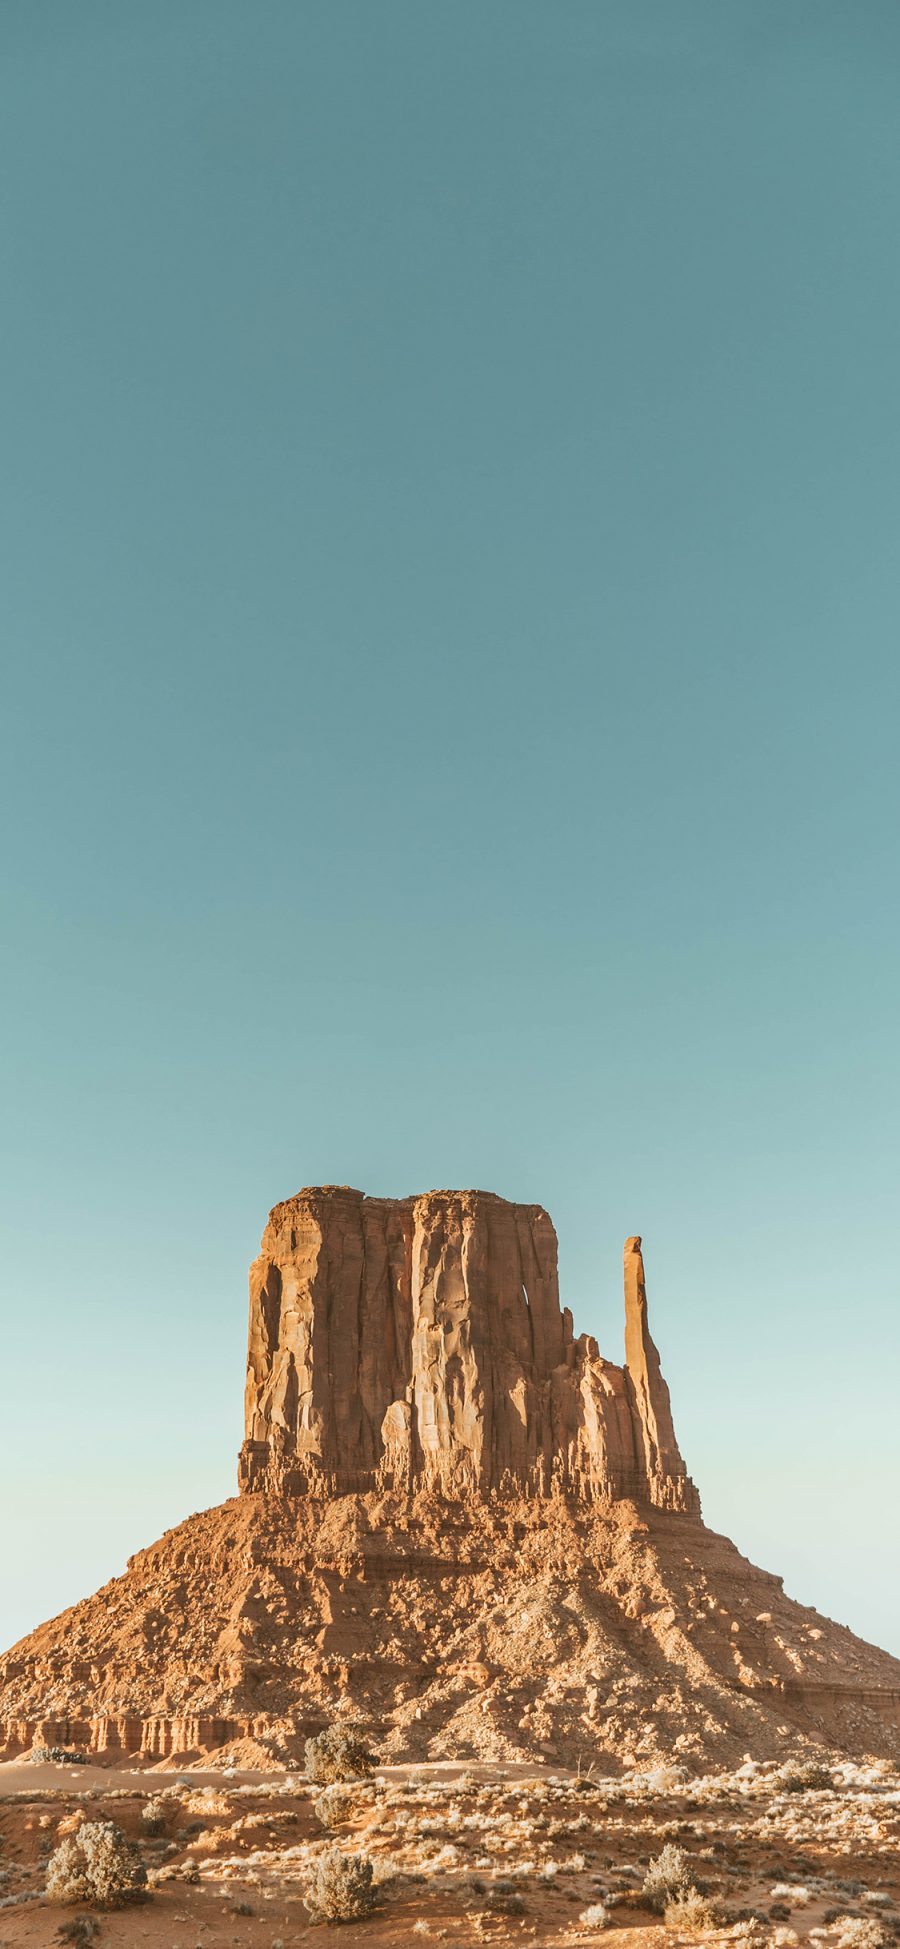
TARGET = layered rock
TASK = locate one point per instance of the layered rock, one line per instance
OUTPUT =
(420, 1343)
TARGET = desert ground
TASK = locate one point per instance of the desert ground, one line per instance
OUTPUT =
(468, 1855)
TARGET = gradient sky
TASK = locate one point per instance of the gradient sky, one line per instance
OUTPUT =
(450, 586)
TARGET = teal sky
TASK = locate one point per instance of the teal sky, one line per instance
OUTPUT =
(450, 586)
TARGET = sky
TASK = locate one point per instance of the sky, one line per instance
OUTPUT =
(450, 691)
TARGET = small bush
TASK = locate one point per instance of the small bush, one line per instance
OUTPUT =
(78, 1929)
(666, 1877)
(97, 1864)
(689, 1910)
(857, 1932)
(503, 1897)
(154, 1815)
(502, 1904)
(59, 1755)
(661, 1779)
(805, 1776)
(595, 1917)
(338, 1753)
(339, 1888)
(334, 1805)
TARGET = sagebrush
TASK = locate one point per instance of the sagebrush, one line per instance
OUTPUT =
(805, 1776)
(97, 1865)
(689, 1910)
(338, 1753)
(666, 1877)
(335, 1806)
(340, 1888)
(858, 1932)
(79, 1930)
(154, 1815)
(60, 1755)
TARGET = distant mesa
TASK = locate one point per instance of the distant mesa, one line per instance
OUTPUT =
(419, 1343)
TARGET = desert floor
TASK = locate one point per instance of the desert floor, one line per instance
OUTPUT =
(467, 1856)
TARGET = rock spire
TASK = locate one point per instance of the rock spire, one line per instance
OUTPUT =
(420, 1343)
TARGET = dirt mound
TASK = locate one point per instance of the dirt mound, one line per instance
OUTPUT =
(545, 1629)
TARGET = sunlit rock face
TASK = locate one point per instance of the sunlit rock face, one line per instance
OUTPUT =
(419, 1343)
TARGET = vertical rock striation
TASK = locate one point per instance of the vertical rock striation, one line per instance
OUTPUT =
(420, 1343)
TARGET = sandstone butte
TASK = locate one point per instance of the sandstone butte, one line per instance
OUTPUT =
(457, 1521)
(419, 1343)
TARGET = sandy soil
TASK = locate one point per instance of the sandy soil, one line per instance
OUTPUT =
(231, 1864)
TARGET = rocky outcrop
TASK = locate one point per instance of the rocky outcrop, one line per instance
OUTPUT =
(420, 1343)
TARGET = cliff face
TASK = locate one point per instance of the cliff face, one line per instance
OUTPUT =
(420, 1343)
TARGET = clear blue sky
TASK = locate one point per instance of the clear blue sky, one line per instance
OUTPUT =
(451, 496)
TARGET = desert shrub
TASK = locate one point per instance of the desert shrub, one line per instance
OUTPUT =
(96, 1864)
(154, 1814)
(688, 1910)
(857, 1932)
(805, 1776)
(595, 1917)
(60, 1755)
(339, 1888)
(661, 1779)
(205, 1802)
(338, 1753)
(504, 1897)
(666, 1877)
(78, 1929)
(334, 1805)
(505, 1902)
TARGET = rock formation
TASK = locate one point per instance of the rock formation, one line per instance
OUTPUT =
(420, 1343)
(458, 1521)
